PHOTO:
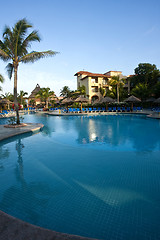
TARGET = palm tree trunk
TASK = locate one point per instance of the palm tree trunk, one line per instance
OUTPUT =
(46, 103)
(117, 93)
(15, 94)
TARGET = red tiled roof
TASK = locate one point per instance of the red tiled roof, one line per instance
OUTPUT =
(81, 72)
(89, 74)
(113, 71)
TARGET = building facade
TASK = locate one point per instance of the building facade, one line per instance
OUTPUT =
(94, 81)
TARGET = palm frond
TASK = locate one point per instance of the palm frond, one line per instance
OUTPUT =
(1, 78)
(19, 33)
(9, 68)
(3, 55)
(34, 56)
(32, 37)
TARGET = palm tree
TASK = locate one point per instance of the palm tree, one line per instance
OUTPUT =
(44, 94)
(65, 92)
(21, 96)
(14, 48)
(32, 102)
(9, 96)
(117, 81)
(1, 80)
(102, 91)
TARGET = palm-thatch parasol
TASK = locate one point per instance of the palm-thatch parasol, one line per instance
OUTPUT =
(81, 100)
(5, 101)
(157, 100)
(107, 100)
(97, 101)
(152, 99)
(132, 99)
(67, 101)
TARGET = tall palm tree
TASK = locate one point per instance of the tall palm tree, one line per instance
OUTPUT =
(21, 96)
(1, 80)
(14, 48)
(117, 81)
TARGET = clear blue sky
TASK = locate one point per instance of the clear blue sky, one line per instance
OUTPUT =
(91, 35)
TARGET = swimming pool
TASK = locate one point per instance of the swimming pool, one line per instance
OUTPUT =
(93, 176)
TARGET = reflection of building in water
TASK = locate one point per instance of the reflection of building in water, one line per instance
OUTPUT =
(94, 130)
(118, 130)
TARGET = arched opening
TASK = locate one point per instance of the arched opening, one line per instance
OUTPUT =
(93, 98)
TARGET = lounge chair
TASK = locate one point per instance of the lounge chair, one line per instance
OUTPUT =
(119, 109)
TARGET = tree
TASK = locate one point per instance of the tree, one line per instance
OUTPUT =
(141, 91)
(118, 82)
(102, 91)
(145, 73)
(44, 94)
(21, 96)
(1, 81)
(65, 92)
(8, 96)
(14, 48)
(156, 90)
(32, 102)
(82, 90)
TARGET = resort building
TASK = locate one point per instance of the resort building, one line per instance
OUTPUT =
(94, 81)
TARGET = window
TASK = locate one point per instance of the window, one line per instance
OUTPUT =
(94, 89)
(94, 80)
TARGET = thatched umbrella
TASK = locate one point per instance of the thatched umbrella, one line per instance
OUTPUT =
(5, 101)
(152, 99)
(157, 100)
(132, 99)
(81, 100)
(67, 101)
(97, 101)
(107, 100)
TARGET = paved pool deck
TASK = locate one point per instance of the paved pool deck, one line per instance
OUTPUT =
(11, 132)
(14, 229)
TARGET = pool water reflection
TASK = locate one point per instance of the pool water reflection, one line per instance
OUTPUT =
(91, 176)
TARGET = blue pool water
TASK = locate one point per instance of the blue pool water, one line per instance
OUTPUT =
(93, 176)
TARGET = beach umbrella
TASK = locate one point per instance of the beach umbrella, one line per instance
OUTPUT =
(5, 101)
(157, 100)
(96, 102)
(107, 100)
(132, 99)
(81, 100)
(67, 101)
(152, 99)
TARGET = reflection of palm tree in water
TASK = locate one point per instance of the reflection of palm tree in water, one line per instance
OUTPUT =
(29, 197)
(4, 153)
(19, 148)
